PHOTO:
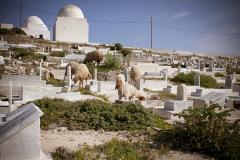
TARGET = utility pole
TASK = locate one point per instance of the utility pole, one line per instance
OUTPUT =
(20, 3)
(151, 31)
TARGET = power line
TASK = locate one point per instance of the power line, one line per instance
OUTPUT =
(130, 22)
(113, 21)
(195, 31)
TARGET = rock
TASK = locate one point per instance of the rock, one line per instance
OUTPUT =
(107, 76)
(65, 89)
(62, 129)
(101, 131)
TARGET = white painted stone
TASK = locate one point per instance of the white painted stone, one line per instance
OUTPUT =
(228, 82)
(69, 78)
(182, 92)
(197, 80)
(20, 135)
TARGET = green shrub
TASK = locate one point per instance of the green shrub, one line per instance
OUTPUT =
(125, 52)
(58, 53)
(26, 54)
(113, 150)
(94, 114)
(56, 82)
(117, 47)
(204, 130)
(163, 95)
(219, 74)
(188, 79)
(12, 31)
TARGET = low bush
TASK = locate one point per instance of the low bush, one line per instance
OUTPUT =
(204, 130)
(56, 82)
(12, 31)
(58, 53)
(87, 92)
(219, 74)
(26, 54)
(188, 79)
(113, 150)
(94, 114)
(162, 95)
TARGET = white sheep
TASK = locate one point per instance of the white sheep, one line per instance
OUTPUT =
(130, 92)
(120, 82)
(81, 73)
(135, 75)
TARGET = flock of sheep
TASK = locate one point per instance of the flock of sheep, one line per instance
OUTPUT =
(126, 90)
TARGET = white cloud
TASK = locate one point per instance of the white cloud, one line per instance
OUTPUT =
(180, 15)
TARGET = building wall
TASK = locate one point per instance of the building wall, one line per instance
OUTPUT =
(7, 26)
(71, 30)
(36, 30)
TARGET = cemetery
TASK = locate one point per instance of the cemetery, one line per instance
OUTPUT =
(57, 96)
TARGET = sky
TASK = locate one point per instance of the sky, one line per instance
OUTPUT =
(208, 26)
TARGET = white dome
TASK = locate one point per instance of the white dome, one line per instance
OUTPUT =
(71, 11)
(33, 20)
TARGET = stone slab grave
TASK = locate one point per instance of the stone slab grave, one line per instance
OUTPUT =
(23, 80)
(168, 89)
(20, 134)
(17, 92)
(172, 107)
(210, 98)
(233, 102)
(9, 94)
(198, 93)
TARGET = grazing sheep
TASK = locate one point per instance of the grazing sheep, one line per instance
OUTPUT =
(46, 73)
(29, 69)
(135, 75)
(120, 82)
(130, 92)
(82, 73)
(74, 66)
(93, 56)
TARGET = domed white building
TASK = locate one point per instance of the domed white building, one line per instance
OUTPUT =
(71, 26)
(35, 27)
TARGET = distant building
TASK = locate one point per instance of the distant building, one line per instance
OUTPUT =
(71, 26)
(6, 26)
(35, 27)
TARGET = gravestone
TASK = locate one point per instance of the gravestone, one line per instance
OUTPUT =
(211, 66)
(198, 65)
(181, 92)
(69, 78)
(20, 134)
(95, 73)
(126, 74)
(165, 76)
(228, 82)
(179, 68)
(210, 98)
(1, 60)
(99, 86)
(139, 84)
(197, 80)
(168, 89)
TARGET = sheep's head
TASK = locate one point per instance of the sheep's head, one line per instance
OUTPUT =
(75, 80)
(51, 75)
(140, 96)
(118, 84)
(89, 76)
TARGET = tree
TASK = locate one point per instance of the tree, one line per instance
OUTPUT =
(125, 52)
(117, 47)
